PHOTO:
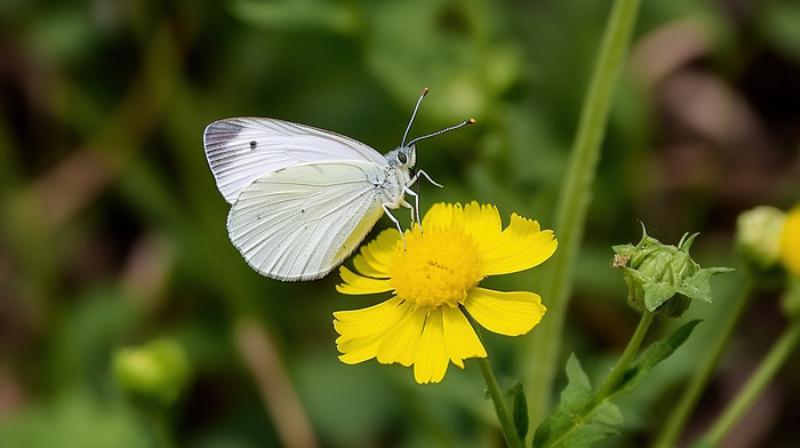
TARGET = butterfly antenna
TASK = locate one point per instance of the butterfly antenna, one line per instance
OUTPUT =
(414, 115)
(442, 131)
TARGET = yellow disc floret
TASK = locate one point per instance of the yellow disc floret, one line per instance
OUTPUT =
(436, 267)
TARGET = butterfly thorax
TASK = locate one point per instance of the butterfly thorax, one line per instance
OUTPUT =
(392, 184)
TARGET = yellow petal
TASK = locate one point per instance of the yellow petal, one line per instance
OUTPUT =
(378, 253)
(507, 313)
(522, 245)
(790, 242)
(483, 223)
(460, 337)
(400, 343)
(365, 266)
(443, 216)
(431, 360)
(361, 331)
(357, 284)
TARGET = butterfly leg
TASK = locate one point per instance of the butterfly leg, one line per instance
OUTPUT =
(415, 210)
(405, 204)
(425, 175)
(396, 223)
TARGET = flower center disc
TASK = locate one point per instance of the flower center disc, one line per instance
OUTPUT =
(437, 267)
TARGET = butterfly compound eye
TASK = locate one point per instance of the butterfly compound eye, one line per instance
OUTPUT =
(401, 156)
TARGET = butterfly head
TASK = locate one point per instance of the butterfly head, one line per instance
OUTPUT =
(407, 156)
(404, 157)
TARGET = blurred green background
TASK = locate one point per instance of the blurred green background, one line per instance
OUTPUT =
(113, 233)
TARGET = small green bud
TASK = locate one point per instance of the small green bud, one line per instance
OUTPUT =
(662, 277)
(758, 234)
(154, 373)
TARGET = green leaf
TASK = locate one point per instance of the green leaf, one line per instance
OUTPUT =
(579, 421)
(519, 406)
(583, 418)
(657, 352)
(578, 379)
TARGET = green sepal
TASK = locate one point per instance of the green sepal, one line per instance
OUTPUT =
(578, 404)
(698, 286)
(656, 293)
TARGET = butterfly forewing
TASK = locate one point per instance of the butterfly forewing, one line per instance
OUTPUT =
(241, 150)
(300, 222)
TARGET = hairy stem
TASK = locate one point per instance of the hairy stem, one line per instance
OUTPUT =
(627, 356)
(503, 415)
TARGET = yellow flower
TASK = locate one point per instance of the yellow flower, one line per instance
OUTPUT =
(435, 280)
(790, 242)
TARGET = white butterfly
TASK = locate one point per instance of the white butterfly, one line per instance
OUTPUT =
(304, 198)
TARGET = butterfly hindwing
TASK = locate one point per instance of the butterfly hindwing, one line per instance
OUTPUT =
(300, 222)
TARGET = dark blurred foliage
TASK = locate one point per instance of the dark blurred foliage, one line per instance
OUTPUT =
(113, 233)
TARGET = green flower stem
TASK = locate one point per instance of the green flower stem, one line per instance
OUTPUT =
(680, 414)
(755, 385)
(542, 355)
(627, 356)
(503, 415)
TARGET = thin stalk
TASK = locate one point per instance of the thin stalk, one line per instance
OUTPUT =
(754, 387)
(503, 415)
(542, 354)
(680, 413)
(627, 356)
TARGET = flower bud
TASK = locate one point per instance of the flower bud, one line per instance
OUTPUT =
(758, 234)
(154, 373)
(662, 277)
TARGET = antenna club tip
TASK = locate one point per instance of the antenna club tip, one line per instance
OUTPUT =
(472, 121)
(425, 90)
